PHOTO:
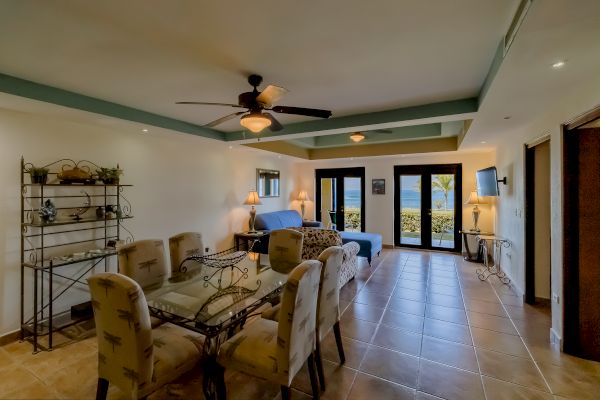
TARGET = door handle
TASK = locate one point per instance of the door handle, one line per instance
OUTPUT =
(429, 212)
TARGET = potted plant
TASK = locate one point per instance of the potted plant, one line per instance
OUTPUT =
(38, 175)
(109, 176)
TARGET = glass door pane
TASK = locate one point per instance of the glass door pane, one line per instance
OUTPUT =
(352, 204)
(410, 209)
(328, 202)
(442, 210)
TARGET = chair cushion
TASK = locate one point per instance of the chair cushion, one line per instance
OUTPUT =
(254, 351)
(176, 351)
(370, 243)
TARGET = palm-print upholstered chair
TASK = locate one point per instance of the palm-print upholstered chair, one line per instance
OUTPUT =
(328, 305)
(131, 355)
(285, 249)
(277, 351)
(144, 262)
(184, 245)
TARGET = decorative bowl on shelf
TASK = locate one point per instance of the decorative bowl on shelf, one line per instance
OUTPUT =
(75, 175)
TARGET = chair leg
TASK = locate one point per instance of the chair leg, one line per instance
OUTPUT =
(313, 376)
(319, 361)
(220, 383)
(286, 393)
(102, 389)
(338, 341)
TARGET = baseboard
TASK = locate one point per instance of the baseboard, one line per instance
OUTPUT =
(387, 246)
(556, 339)
(9, 337)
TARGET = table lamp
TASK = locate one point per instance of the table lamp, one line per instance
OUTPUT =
(475, 199)
(302, 197)
(252, 200)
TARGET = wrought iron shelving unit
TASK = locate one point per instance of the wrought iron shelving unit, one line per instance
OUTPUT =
(57, 256)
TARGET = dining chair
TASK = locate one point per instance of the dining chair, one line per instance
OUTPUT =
(276, 351)
(328, 306)
(285, 249)
(182, 246)
(144, 262)
(131, 355)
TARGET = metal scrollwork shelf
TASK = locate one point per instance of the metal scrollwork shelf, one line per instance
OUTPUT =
(497, 245)
(68, 221)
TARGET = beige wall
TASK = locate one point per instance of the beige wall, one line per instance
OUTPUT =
(182, 183)
(510, 205)
(380, 208)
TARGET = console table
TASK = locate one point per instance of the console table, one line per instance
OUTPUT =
(496, 243)
(473, 255)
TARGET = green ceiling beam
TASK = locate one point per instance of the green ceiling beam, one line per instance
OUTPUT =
(447, 108)
(49, 94)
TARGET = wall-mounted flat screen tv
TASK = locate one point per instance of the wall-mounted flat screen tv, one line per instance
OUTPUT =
(487, 182)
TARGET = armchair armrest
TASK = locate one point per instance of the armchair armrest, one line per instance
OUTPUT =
(312, 224)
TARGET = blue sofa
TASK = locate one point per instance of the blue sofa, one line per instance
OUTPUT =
(280, 220)
(370, 243)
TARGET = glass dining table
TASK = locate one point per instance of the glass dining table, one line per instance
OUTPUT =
(214, 300)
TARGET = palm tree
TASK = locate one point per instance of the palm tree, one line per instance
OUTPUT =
(444, 184)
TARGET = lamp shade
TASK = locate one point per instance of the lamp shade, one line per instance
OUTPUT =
(474, 199)
(255, 122)
(252, 199)
(303, 196)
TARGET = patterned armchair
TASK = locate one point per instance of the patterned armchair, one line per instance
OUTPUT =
(184, 245)
(131, 355)
(276, 351)
(316, 240)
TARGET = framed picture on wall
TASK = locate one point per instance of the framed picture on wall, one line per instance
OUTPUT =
(378, 186)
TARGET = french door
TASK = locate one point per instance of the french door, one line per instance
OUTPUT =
(341, 195)
(427, 206)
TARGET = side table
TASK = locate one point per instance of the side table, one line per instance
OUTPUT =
(476, 254)
(497, 244)
(246, 241)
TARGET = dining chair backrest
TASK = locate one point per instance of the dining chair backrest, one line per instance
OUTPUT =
(144, 262)
(297, 319)
(328, 307)
(184, 245)
(125, 349)
(285, 249)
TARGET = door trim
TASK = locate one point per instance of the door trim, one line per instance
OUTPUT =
(340, 174)
(428, 170)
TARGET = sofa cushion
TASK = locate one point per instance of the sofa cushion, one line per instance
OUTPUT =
(278, 220)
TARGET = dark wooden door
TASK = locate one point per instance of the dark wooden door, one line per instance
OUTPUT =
(582, 233)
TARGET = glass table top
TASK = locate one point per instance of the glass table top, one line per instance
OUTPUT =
(209, 297)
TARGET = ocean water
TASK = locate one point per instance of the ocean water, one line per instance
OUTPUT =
(408, 198)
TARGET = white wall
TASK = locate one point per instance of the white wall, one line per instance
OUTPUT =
(181, 183)
(380, 208)
(509, 161)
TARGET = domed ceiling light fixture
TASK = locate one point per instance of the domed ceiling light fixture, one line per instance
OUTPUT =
(255, 122)
(357, 137)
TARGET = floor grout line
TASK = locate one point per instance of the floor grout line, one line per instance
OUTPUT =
(522, 340)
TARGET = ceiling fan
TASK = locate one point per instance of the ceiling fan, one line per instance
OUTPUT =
(256, 103)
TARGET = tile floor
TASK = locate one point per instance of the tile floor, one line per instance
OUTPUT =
(416, 325)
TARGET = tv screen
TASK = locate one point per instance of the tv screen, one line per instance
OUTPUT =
(487, 182)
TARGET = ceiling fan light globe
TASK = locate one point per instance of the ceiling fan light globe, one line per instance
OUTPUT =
(255, 122)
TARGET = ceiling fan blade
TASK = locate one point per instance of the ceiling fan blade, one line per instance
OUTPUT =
(386, 131)
(271, 95)
(309, 112)
(275, 125)
(203, 103)
(225, 118)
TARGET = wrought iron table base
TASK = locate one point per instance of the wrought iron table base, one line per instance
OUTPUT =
(484, 273)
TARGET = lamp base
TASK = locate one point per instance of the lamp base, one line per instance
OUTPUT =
(475, 215)
(252, 220)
